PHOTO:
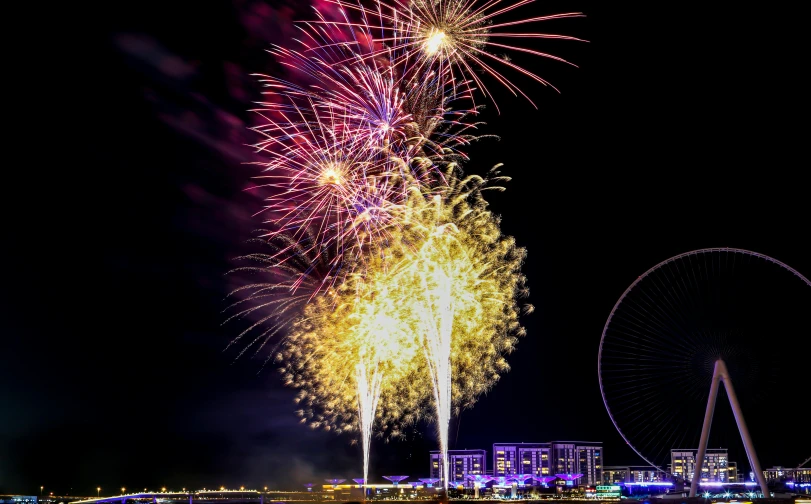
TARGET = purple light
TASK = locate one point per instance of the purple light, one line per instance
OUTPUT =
(429, 482)
(521, 478)
(335, 481)
(649, 483)
(309, 486)
(395, 479)
(721, 483)
(543, 480)
(479, 478)
(569, 477)
(359, 481)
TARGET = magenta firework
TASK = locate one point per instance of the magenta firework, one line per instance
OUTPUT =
(454, 40)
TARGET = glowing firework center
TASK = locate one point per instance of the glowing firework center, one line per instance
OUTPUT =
(331, 174)
(435, 41)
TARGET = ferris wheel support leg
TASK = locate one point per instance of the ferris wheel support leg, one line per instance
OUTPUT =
(744, 431)
(705, 430)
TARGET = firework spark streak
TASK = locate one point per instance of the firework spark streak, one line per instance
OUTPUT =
(368, 391)
(454, 37)
(394, 291)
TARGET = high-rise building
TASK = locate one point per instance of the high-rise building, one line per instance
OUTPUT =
(521, 458)
(590, 462)
(549, 459)
(461, 463)
(715, 468)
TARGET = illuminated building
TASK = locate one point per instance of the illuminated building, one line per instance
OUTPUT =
(546, 459)
(614, 475)
(715, 468)
(590, 462)
(461, 463)
(521, 458)
(797, 475)
(732, 473)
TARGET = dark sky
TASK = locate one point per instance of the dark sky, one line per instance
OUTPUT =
(681, 129)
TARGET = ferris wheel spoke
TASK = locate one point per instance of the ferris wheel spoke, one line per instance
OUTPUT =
(638, 325)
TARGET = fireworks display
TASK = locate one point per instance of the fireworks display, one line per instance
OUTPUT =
(392, 290)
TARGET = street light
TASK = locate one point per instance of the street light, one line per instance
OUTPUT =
(98, 491)
(40, 490)
(163, 489)
(122, 490)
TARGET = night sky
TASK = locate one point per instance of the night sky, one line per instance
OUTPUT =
(682, 129)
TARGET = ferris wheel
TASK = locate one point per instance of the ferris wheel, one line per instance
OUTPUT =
(694, 321)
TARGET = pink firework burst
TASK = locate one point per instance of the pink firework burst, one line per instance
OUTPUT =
(453, 38)
(323, 180)
(346, 71)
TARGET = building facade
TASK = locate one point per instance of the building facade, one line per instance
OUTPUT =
(590, 462)
(616, 475)
(521, 458)
(732, 473)
(549, 459)
(461, 463)
(795, 474)
(715, 468)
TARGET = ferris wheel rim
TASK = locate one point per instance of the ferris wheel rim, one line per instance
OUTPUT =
(634, 284)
